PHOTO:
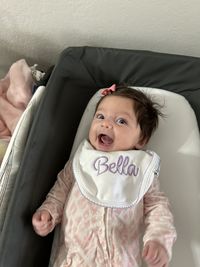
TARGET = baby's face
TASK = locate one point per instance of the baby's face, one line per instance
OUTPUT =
(114, 126)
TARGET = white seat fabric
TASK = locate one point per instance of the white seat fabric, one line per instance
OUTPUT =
(14, 153)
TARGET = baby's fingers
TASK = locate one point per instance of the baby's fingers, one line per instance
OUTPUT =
(42, 228)
(45, 216)
(150, 254)
(42, 222)
(155, 255)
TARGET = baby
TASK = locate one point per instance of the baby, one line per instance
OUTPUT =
(110, 189)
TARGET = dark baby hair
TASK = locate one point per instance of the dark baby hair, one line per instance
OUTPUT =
(147, 111)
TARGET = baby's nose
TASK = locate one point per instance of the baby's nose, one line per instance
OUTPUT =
(107, 123)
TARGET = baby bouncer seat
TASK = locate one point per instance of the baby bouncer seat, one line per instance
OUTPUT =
(79, 73)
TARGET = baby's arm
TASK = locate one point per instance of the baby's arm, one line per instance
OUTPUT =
(50, 212)
(159, 224)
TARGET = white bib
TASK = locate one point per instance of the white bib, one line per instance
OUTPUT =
(117, 179)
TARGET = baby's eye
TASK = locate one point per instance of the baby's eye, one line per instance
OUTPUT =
(121, 121)
(99, 116)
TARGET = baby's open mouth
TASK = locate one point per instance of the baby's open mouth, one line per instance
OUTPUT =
(105, 139)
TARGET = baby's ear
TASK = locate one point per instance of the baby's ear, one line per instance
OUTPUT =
(141, 144)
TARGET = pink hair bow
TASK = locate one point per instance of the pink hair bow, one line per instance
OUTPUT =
(109, 90)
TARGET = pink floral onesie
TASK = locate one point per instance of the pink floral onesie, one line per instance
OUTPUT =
(102, 227)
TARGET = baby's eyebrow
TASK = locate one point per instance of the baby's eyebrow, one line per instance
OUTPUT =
(99, 109)
(120, 113)
(124, 113)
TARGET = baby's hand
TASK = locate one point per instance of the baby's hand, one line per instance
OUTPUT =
(155, 254)
(42, 222)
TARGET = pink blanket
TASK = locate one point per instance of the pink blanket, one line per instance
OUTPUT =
(15, 93)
